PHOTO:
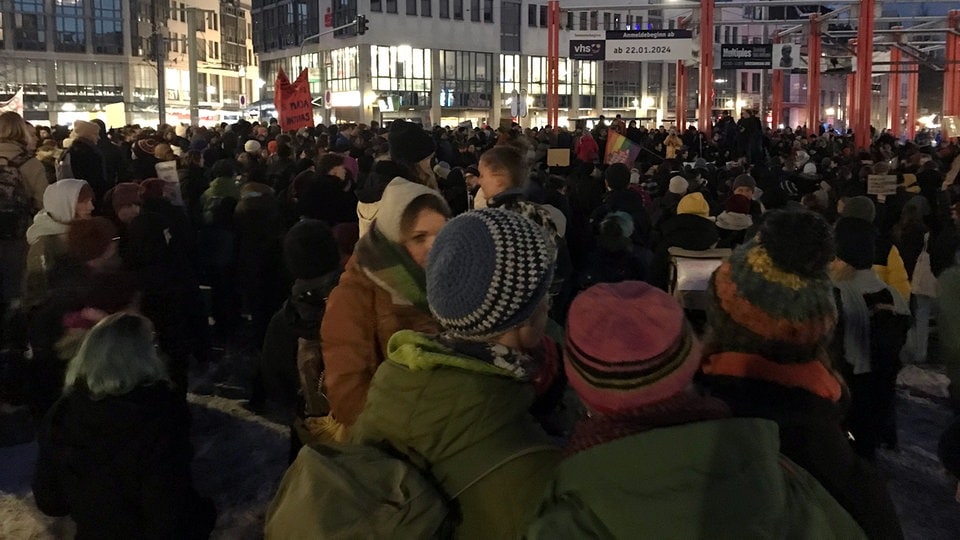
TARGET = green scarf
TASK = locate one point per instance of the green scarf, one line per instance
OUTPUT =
(391, 267)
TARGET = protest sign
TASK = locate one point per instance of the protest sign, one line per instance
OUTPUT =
(292, 100)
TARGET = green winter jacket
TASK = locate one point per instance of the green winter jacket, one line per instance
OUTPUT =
(948, 326)
(715, 479)
(464, 417)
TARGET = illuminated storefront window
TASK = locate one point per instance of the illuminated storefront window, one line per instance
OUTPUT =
(509, 73)
(588, 83)
(342, 70)
(91, 79)
(537, 82)
(403, 71)
(466, 79)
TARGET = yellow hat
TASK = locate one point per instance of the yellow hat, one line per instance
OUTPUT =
(694, 203)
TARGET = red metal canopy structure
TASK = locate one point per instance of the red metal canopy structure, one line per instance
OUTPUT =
(909, 48)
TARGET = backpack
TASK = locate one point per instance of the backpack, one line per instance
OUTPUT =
(64, 169)
(365, 491)
(16, 206)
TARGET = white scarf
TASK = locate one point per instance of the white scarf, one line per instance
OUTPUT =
(856, 315)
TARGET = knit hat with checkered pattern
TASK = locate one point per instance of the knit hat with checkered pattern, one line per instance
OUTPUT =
(487, 272)
(773, 297)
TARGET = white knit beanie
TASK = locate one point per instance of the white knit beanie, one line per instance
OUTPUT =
(679, 185)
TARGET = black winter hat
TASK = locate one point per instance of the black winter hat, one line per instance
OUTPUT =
(856, 242)
(409, 143)
(309, 250)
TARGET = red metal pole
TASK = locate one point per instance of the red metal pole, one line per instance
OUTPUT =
(861, 130)
(850, 115)
(705, 112)
(776, 96)
(951, 76)
(813, 76)
(681, 100)
(913, 89)
(681, 96)
(893, 105)
(553, 63)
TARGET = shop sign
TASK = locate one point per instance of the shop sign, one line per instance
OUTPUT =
(648, 45)
(587, 46)
(746, 56)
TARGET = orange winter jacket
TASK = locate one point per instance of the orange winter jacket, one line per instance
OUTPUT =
(360, 319)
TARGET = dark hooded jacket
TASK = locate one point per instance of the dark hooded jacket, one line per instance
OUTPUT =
(120, 466)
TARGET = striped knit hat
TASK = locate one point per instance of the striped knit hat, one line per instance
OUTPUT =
(487, 272)
(627, 346)
(773, 297)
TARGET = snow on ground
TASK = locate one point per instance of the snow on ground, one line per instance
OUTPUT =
(920, 487)
(928, 380)
(240, 458)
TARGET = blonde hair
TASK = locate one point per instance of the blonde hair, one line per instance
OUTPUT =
(14, 129)
(116, 356)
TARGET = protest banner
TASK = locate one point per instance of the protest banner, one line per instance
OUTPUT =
(14, 104)
(292, 100)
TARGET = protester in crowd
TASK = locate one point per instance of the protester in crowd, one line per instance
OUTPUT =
(888, 263)
(948, 308)
(692, 229)
(586, 150)
(503, 180)
(382, 291)
(85, 160)
(259, 235)
(459, 400)
(23, 181)
(771, 316)
(330, 196)
(655, 458)
(911, 236)
(83, 284)
(291, 363)
(193, 182)
(621, 199)
(115, 450)
(672, 144)
(616, 258)
(871, 332)
(735, 222)
(63, 202)
(745, 185)
(216, 242)
(411, 150)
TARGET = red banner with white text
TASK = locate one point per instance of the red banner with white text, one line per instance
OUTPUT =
(292, 100)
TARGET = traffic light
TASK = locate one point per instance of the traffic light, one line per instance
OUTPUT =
(362, 24)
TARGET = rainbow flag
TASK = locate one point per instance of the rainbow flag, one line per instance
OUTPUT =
(620, 149)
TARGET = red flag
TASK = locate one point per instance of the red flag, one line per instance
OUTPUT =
(292, 100)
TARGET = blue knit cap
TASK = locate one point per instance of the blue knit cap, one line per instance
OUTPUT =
(487, 272)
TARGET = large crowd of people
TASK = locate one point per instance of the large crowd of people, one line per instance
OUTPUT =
(481, 345)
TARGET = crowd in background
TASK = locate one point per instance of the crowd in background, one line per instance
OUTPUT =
(438, 290)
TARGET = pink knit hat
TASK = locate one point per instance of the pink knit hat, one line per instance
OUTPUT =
(627, 346)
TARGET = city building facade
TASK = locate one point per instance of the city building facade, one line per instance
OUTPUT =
(452, 61)
(80, 59)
